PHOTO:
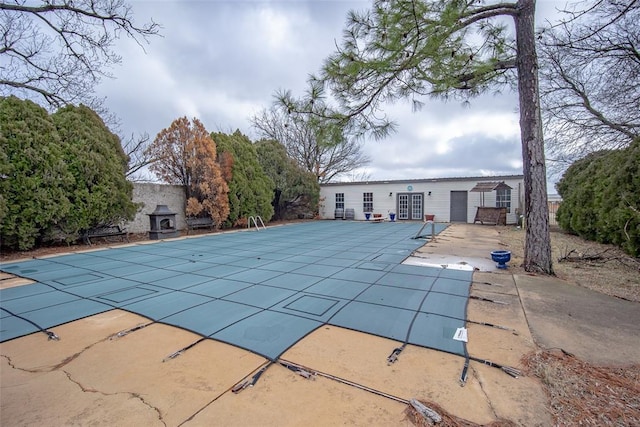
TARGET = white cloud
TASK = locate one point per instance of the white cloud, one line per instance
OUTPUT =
(275, 29)
(222, 61)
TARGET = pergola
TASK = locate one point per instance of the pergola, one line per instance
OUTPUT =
(489, 186)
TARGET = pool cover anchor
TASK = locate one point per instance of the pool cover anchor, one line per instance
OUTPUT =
(511, 371)
(52, 335)
(126, 332)
(393, 357)
(465, 370)
(182, 350)
(306, 374)
(250, 382)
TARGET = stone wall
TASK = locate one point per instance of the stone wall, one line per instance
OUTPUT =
(156, 194)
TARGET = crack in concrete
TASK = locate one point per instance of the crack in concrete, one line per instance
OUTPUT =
(127, 393)
(237, 381)
(30, 371)
(10, 363)
(484, 392)
(62, 364)
(84, 389)
(526, 318)
(495, 292)
(74, 356)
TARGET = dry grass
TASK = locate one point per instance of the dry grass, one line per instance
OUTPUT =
(586, 395)
(616, 274)
(448, 420)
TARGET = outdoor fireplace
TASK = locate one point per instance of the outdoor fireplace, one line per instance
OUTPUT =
(163, 223)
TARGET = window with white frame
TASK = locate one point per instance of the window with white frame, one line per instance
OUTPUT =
(503, 198)
(339, 200)
(367, 202)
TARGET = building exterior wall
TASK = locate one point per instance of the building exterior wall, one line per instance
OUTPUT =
(151, 195)
(436, 196)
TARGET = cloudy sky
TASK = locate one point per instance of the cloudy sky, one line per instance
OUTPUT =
(223, 61)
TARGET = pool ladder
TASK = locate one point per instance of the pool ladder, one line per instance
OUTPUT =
(433, 231)
(257, 222)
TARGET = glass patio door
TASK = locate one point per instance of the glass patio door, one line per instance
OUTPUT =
(410, 206)
(403, 206)
(416, 206)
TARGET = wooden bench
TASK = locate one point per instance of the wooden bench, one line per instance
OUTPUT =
(195, 223)
(105, 231)
(378, 218)
(497, 216)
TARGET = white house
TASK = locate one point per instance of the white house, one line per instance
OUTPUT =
(448, 199)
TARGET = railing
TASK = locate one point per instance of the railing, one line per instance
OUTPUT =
(433, 231)
(257, 221)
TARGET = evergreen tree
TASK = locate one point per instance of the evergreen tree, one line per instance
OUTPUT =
(33, 176)
(601, 198)
(250, 190)
(293, 186)
(100, 193)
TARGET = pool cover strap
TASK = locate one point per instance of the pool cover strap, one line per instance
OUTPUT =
(126, 332)
(52, 335)
(251, 381)
(296, 367)
(393, 357)
(182, 350)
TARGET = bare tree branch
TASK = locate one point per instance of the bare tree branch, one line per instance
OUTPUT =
(57, 52)
(590, 68)
(139, 157)
(316, 149)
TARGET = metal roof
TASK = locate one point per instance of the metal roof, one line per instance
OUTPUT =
(424, 180)
(483, 187)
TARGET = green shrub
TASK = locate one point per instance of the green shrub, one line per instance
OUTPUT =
(295, 190)
(601, 198)
(250, 189)
(59, 174)
(100, 193)
(34, 175)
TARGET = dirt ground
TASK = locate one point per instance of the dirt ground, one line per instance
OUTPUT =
(602, 268)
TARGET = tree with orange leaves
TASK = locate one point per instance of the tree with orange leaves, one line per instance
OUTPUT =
(185, 154)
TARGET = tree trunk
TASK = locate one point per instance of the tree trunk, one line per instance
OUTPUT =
(537, 251)
(277, 209)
